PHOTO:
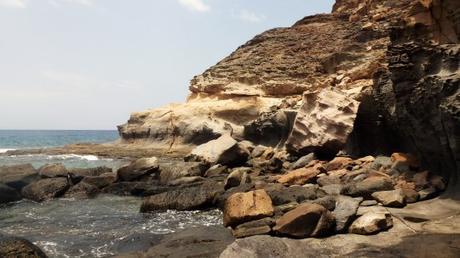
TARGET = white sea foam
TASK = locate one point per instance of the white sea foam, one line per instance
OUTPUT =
(5, 150)
(74, 156)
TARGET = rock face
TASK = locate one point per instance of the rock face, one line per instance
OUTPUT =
(305, 221)
(242, 207)
(19, 247)
(323, 123)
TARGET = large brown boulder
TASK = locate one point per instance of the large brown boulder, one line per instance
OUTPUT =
(53, 170)
(243, 207)
(307, 220)
(323, 123)
(45, 189)
(224, 150)
(200, 196)
(138, 168)
(19, 247)
(302, 175)
(18, 176)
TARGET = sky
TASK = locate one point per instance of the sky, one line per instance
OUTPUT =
(88, 64)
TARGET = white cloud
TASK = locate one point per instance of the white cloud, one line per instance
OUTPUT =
(249, 16)
(195, 5)
(13, 3)
(78, 2)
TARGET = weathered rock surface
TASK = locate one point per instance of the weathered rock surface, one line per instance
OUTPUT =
(53, 170)
(187, 198)
(394, 198)
(344, 212)
(101, 181)
(253, 228)
(323, 123)
(307, 220)
(369, 186)
(371, 223)
(225, 151)
(45, 189)
(242, 207)
(138, 168)
(302, 175)
(19, 247)
(18, 176)
(236, 178)
(82, 190)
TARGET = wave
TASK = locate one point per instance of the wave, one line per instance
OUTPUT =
(5, 150)
(74, 156)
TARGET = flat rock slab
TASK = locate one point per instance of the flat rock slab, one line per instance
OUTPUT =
(242, 207)
(394, 198)
(371, 223)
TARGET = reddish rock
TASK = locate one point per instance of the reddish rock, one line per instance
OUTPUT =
(243, 207)
(338, 163)
(301, 176)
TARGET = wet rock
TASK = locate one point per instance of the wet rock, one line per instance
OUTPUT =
(138, 168)
(323, 123)
(82, 191)
(18, 176)
(303, 161)
(19, 247)
(101, 181)
(253, 228)
(53, 170)
(368, 186)
(393, 198)
(224, 150)
(196, 197)
(371, 223)
(182, 169)
(8, 194)
(243, 207)
(237, 177)
(302, 176)
(281, 194)
(307, 220)
(345, 212)
(45, 189)
(203, 242)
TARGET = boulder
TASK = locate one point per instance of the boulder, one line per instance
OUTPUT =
(177, 170)
(410, 195)
(45, 189)
(82, 191)
(196, 197)
(344, 212)
(302, 176)
(222, 198)
(368, 186)
(382, 162)
(203, 242)
(404, 159)
(325, 180)
(303, 161)
(101, 181)
(258, 151)
(323, 123)
(216, 170)
(186, 180)
(53, 170)
(19, 247)
(18, 176)
(371, 223)
(138, 168)
(333, 189)
(280, 194)
(307, 220)
(224, 150)
(84, 172)
(8, 194)
(338, 163)
(243, 207)
(253, 228)
(393, 198)
(237, 177)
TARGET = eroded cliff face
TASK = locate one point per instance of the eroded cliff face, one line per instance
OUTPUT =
(395, 60)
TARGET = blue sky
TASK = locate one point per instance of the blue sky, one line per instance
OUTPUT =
(87, 64)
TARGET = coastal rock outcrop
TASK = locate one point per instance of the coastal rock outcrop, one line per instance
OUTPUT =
(19, 247)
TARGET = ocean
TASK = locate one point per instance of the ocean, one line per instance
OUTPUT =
(99, 227)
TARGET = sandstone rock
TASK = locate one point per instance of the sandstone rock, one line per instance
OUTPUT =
(303, 161)
(221, 199)
(225, 151)
(18, 176)
(53, 170)
(327, 202)
(138, 168)
(84, 172)
(258, 151)
(177, 170)
(280, 194)
(382, 162)
(187, 198)
(134, 188)
(427, 193)
(45, 189)
(216, 170)
(438, 182)
(373, 209)
(338, 163)
(404, 159)
(394, 198)
(333, 189)
(8, 194)
(101, 181)
(368, 186)
(186, 180)
(368, 203)
(243, 207)
(371, 223)
(302, 175)
(344, 212)
(237, 177)
(307, 220)
(421, 180)
(410, 195)
(253, 228)
(19, 247)
(328, 180)
(323, 123)
(82, 191)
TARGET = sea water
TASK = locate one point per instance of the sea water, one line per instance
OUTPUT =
(82, 228)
